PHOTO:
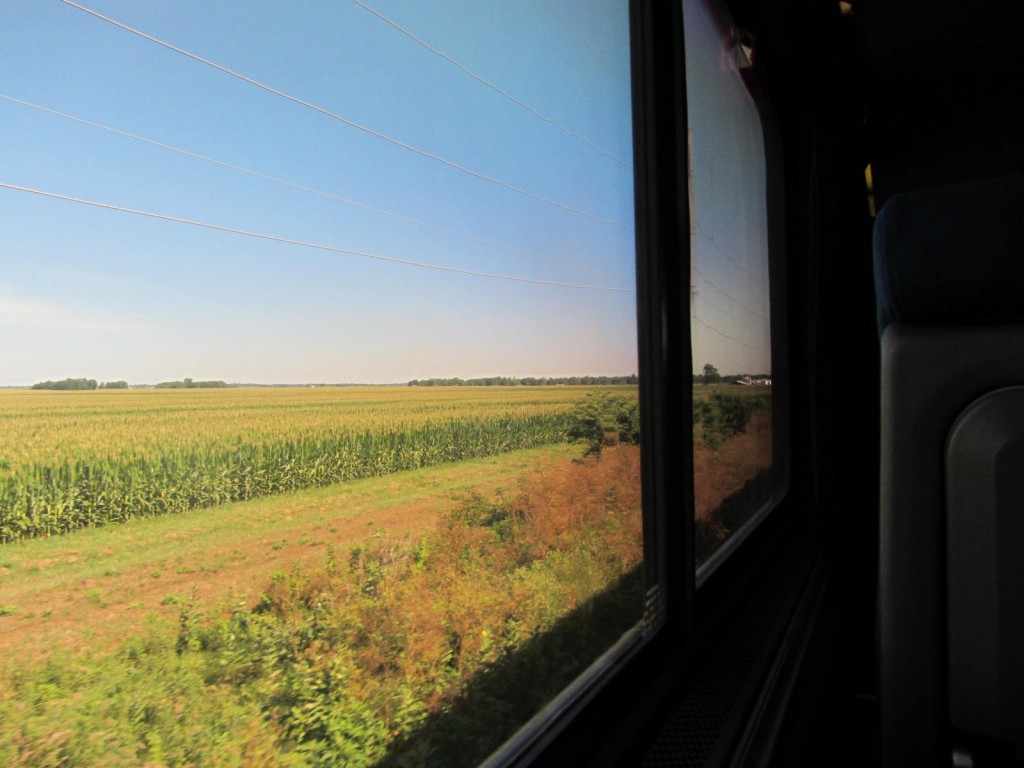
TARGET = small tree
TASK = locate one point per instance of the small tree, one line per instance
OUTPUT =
(602, 419)
(711, 375)
(588, 422)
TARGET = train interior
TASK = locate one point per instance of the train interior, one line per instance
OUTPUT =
(897, 134)
(868, 608)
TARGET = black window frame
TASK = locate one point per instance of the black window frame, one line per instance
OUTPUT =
(614, 712)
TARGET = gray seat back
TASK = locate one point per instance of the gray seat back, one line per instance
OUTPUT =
(949, 268)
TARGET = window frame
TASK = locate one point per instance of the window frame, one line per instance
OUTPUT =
(623, 697)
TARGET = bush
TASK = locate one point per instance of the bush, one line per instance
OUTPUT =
(723, 416)
(604, 419)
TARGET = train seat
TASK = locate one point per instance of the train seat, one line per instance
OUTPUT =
(949, 279)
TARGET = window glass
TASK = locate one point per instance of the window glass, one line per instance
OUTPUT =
(729, 297)
(318, 420)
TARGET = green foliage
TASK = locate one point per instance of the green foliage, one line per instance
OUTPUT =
(143, 706)
(711, 375)
(47, 500)
(526, 381)
(67, 384)
(603, 419)
(189, 384)
(500, 516)
(720, 416)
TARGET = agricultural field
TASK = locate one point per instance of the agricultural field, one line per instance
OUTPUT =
(72, 460)
(197, 578)
(396, 608)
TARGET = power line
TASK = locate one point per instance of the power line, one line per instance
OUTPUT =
(711, 284)
(313, 190)
(705, 300)
(351, 123)
(497, 89)
(304, 244)
(739, 268)
(720, 249)
(720, 333)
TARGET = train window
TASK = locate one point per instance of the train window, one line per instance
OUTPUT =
(215, 216)
(729, 283)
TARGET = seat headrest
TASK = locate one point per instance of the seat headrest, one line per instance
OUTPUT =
(952, 256)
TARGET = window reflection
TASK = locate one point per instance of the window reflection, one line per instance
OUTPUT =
(729, 296)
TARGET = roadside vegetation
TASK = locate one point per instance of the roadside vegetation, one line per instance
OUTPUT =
(723, 412)
(732, 457)
(371, 654)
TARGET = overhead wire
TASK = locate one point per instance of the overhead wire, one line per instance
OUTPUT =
(351, 123)
(717, 307)
(496, 88)
(728, 296)
(728, 256)
(715, 287)
(318, 246)
(721, 333)
(294, 185)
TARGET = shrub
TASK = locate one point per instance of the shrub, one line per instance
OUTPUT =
(603, 419)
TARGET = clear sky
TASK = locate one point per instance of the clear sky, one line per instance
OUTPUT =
(109, 295)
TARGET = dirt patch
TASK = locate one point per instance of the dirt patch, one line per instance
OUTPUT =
(99, 612)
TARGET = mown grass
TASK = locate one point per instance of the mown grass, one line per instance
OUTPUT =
(200, 541)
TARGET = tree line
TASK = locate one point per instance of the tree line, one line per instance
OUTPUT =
(712, 376)
(78, 384)
(189, 384)
(526, 381)
(85, 384)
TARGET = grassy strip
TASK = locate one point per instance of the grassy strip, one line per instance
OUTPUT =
(101, 557)
(368, 656)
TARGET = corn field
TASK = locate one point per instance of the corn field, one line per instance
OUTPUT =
(72, 460)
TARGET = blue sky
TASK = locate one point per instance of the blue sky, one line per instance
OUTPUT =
(108, 295)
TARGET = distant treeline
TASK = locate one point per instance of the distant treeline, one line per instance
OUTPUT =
(712, 376)
(732, 378)
(189, 384)
(80, 384)
(527, 381)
